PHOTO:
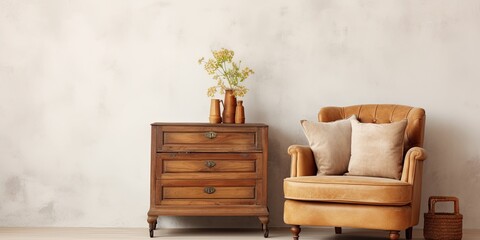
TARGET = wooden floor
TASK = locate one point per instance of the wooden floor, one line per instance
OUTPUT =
(200, 234)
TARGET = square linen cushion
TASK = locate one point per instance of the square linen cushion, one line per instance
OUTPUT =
(330, 144)
(377, 149)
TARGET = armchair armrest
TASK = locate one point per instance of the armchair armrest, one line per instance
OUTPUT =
(412, 173)
(413, 162)
(303, 162)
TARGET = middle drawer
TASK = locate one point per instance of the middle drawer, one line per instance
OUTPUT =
(208, 165)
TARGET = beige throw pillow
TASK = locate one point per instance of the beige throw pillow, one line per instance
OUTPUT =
(377, 149)
(330, 143)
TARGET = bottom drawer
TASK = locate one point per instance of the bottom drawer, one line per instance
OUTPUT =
(207, 192)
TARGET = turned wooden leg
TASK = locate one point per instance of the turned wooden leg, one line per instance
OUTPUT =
(152, 224)
(264, 221)
(338, 230)
(408, 233)
(295, 229)
(394, 235)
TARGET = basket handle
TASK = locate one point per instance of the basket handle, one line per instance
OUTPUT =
(434, 199)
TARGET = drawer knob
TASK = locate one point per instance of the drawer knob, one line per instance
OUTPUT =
(209, 190)
(210, 135)
(210, 164)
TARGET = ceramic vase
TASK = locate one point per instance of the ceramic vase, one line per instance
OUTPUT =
(239, 113)
(229, 107)
(215, 111)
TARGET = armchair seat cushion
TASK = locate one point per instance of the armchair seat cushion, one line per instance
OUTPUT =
(348, 189)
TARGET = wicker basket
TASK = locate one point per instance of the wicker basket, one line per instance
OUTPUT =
(442, 226)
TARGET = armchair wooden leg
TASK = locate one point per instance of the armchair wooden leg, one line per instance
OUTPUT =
(394, 235)
(338, 230)
(295, 229)
(408, 233)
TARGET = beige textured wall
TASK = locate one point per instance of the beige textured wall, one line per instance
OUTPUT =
(81, 80)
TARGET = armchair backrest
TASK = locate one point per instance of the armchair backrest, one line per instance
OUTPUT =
(382, 113)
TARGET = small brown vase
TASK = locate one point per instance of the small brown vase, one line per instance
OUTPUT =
(239, 113)
(215, 111)
(229, 107)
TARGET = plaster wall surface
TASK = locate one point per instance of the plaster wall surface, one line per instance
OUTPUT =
(81, 80)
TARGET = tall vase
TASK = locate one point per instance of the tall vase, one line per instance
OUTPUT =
(240, 113)
(229, 107)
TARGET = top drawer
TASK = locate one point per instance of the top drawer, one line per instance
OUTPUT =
(209, 137)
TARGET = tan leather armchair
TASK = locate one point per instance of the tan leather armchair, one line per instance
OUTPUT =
(355, 201)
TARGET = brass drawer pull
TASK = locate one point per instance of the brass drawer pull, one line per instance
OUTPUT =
(210, 135)
(210, 164)
(209, 190)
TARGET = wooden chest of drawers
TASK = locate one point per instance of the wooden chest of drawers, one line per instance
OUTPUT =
(208, 170)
